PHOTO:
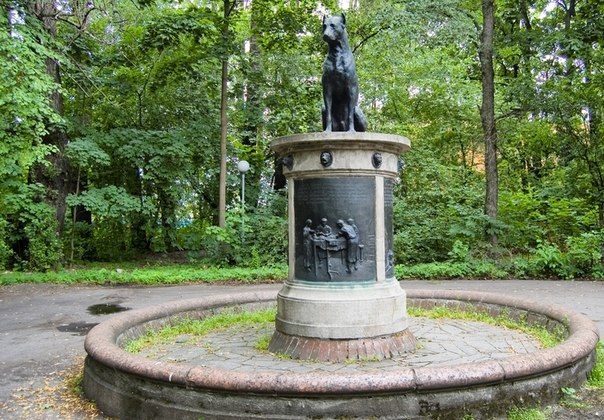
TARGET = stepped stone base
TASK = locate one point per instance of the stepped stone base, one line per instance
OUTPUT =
(326, 350)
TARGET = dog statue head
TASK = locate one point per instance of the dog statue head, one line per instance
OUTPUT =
(334, 28)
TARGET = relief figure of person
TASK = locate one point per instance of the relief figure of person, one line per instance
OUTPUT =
(323, 229)
(352, 244)
(354, 226)
(308, 234)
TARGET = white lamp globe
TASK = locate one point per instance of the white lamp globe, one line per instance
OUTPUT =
(243, 166)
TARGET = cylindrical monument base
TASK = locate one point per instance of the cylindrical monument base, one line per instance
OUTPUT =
(327, 311)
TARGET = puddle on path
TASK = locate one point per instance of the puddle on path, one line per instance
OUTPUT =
(77, 328)
(105, 308)
(82, 328)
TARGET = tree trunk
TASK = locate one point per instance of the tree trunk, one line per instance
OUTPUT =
(58, 180)
(569, 13)
(487, 113)
(223, 121)
(223, 146)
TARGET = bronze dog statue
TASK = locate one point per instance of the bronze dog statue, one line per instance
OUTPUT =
(340, 85)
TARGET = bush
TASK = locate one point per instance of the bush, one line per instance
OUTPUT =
(581, 258)
(547, 260)
(267, 240)
(120, 223)
(524, 216)
(30, 228)
(77, 241)
(44, 252)
(252, 239)
(532, 219)
(222, 246)
(5, 251)
(476, 269)
(584, 255)
(436, 206)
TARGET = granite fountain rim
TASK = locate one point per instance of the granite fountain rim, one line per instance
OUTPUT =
(102, 345)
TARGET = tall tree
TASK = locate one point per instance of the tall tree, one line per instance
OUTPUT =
(487, 113)
(228, 7)
(58, 180)
(28, 224)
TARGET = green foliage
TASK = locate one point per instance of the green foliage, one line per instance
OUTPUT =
(28, 228)
(460, 252)
(570, 399)
(141, 93)
(166, 30)
(31, 228)
(249, 239)
(440, 205)
(110, 202)
(548, 259)
(584, 255)
(25, 111)
(113, 209)
(549, 216)
(87, 153)
(478, 269)
(222, 246)
(44, 251)
(5, 251)
(267, 236)
(581, 257)
(263, 342)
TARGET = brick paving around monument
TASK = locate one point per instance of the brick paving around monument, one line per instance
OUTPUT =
(442, 342)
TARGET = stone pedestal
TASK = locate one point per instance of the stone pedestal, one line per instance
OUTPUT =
(341, 299)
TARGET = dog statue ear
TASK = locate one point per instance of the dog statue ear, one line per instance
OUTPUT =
(343, 18)
(323, 19)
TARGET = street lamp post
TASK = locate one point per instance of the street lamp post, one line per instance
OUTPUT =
(243, 167)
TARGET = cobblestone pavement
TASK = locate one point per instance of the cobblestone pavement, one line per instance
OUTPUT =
(440, 343)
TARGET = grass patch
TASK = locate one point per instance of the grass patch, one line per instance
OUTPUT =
(114, 274)
(526, 414)
(262, 343)
(361, 360)
(546, 338)
(596, 377)
(200, 327)
(570, 399)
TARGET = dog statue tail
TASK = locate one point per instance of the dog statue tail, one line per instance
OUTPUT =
(360, 121)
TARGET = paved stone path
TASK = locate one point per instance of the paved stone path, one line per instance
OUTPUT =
(440, 343)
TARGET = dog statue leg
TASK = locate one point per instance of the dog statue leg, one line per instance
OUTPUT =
(328, 99)
(350, 122)
(352, 100)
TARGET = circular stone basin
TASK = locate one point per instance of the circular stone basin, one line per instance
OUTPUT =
(131, 386)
